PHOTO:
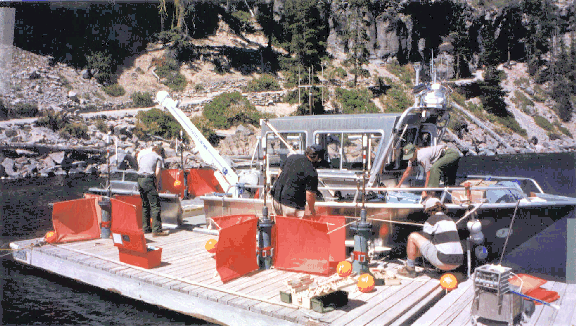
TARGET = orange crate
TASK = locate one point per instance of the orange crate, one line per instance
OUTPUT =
(150, 259)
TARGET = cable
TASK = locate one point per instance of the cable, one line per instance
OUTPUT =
(509, 232)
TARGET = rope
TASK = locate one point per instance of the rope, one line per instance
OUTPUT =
(338, 228)
(469, 213)
(12, 250)
(395, 222)
(509, 232)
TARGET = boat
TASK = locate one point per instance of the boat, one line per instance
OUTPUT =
(363, 166)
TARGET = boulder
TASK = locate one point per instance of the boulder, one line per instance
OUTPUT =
(9, 166)
(57, 157)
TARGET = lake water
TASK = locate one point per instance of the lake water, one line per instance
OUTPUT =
(32, 296)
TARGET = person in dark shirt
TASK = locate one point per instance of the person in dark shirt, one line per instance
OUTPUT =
(297, 184)
(439, 242)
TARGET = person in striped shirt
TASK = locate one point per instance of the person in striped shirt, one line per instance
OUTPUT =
(438, 242)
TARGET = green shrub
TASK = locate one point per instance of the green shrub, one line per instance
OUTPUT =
(554, 136)
(543, 123)
(396, 99)
(101, 125)
(53, 120)
(168, 69)
(142, 100)
(231, 109)
(245, 20)
(355, 101)
(522, 101)
(337, 73)
(404, 73)
(4, 111)
(156, 122)
(508, 122)
(522, 82)
(76, 130)
(539, 94)
(361, 72)
(563, 129)
(205, 128)
(458, 99)
(114, 90)
(101, 63)
(25, 110)
(265, 82)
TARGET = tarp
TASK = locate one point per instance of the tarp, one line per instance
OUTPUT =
(98, 208)
(126, 226)
(337, 233)
(236, 248)
(135, 200)
(202, 181)
(302, 245)
(169, 177)
(75, 220)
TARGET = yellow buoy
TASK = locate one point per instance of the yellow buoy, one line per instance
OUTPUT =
(50, 237)
(344, 268)
(448, 281)
(211, 246)
(177, 183)
(366, 283)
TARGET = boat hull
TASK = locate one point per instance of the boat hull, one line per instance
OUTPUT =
(392, 223)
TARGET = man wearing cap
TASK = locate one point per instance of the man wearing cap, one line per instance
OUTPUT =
(150, 164)
(435, 160)
(438, 242)
(297, 183)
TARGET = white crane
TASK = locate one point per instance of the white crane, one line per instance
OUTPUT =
(223, 172)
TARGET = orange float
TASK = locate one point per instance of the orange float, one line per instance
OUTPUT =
(448, 281)
(366, 283)
(211, 246)
(50, 237)
(344, 268)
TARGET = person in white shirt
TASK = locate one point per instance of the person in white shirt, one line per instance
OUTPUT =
(436, 160)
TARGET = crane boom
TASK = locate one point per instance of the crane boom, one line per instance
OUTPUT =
(224, 173)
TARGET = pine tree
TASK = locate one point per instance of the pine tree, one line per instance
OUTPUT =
(541, 21)
(460, 35)
(357, 36)
(305, 30)
(492, 94)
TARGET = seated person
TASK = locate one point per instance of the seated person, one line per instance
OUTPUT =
(438, 242)
(435, 160)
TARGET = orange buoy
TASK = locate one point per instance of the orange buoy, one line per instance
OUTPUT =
(344, 268)
(366, 283)
(448, 281)
(384, 230)
(50, 237)
(211, 246)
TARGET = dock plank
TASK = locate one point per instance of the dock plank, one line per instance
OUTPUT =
(432, 316)
(365, 313)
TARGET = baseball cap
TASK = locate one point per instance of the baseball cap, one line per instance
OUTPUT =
(408, 151)
(430, 202)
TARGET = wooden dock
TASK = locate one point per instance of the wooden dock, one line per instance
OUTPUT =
(454, 308)
(187, 282)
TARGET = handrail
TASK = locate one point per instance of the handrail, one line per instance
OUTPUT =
(489, 177)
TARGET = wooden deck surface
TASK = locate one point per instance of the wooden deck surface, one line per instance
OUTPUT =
(454, 308)
(187, 282)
